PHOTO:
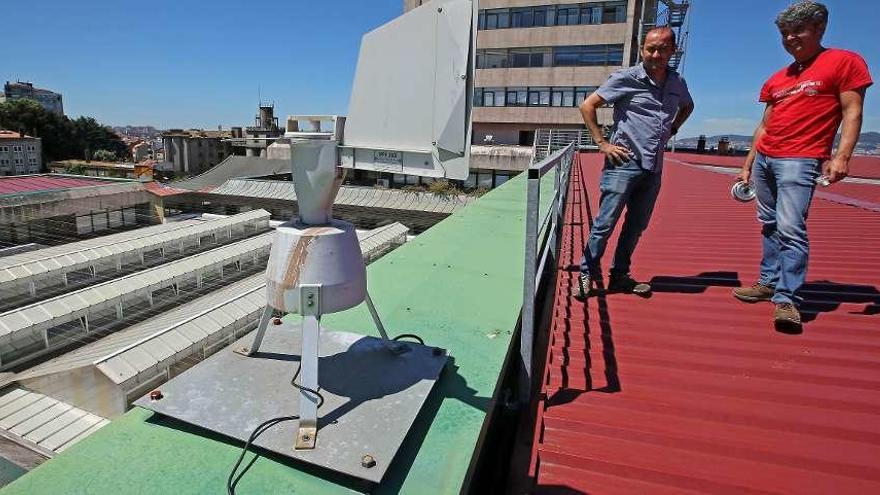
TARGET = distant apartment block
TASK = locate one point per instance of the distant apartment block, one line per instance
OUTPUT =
(538, 59)
(193, 151)
(50, 100)
(20, 154)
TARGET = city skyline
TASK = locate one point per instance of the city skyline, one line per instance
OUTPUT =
(180, 67)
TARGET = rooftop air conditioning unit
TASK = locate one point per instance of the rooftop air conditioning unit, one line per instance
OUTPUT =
(383, 183)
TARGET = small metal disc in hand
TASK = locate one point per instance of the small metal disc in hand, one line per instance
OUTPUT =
(743, 191)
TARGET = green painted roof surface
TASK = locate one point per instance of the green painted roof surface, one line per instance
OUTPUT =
(458, 285)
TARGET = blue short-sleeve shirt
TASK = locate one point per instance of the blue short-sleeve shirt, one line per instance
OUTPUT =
(644, 111)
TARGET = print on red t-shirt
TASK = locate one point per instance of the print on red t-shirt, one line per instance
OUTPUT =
(806, 104)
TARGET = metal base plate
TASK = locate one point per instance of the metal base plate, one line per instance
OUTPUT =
(372, 397)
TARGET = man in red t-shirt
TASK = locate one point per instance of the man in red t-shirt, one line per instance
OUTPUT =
(806, 102)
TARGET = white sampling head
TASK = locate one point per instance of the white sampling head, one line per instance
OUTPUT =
(316, 178)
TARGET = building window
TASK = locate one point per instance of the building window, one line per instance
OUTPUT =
(614, 12)
(497, 19)
(539, 97)
(588, 55)
(591, 15)
(565, 96)
(493, 97)
(559, 56)
(567, 15)
(553, 15)
(517, 97)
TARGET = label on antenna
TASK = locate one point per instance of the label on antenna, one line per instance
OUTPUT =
(388, 157)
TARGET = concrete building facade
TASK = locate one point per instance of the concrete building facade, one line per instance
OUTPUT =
(20, 154)
(141, 151)
(50, 100)
(193, 151)
(538, 59)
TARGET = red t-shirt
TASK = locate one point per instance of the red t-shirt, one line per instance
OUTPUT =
(806, 104)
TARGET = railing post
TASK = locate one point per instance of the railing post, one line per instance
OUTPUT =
(536, 257)
(527, 329)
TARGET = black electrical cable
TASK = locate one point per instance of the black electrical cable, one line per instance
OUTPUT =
(410, 336)
(235, 477)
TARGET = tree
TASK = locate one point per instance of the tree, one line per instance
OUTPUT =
(104, 156)
(62, 137)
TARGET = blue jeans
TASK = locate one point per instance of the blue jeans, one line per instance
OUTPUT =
(622, 185)
(784, 188)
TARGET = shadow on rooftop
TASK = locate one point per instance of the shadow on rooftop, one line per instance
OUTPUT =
(694, 284)
(451, 385)
(821, 296)
(825, 296)
(593, 333)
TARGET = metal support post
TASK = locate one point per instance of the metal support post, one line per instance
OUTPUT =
(310, 307)
(258, 337)
(527, 328)
(394, 347)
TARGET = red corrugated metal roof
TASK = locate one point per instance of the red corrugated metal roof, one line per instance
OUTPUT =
(4, 134)
(35, 183)
(859, 166)
(691, 391)
(163, 190)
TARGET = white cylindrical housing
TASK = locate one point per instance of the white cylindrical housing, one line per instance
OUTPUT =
(327, 255)
(316, 178)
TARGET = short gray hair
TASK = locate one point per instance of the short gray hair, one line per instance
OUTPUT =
(803, 12)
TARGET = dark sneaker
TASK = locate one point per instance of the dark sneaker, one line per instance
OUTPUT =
(755, 293)
(628, 285)
(787, 318)
(582, 286)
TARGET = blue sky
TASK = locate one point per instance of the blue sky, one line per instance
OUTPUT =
(196, 64)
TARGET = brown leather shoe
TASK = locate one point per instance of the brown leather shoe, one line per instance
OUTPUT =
(787, 318)
(583, 286)
(628, 285)
(756, 293)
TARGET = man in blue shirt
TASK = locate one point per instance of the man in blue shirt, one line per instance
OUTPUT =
(651, 101)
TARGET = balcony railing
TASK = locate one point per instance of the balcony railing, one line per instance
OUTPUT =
(542, 235)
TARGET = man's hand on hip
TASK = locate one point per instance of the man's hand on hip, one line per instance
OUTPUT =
(836, 169)
(617, 154)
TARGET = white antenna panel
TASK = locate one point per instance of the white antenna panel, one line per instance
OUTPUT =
(410, 107)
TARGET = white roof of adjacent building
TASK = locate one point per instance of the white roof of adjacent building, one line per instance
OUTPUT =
(136, 349)
(66, 307)
(43, 423)
(46, 261)
(367, 197)
(94, 242)
(135, 354)
(378, 238)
